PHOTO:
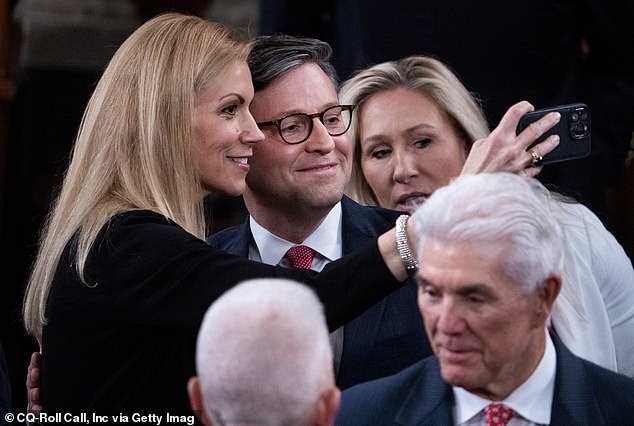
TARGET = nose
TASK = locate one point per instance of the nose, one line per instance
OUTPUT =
(404, 167)
(250, 132)
(319, 139)
(449, 321)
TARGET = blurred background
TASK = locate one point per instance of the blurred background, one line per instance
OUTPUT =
(52, 53)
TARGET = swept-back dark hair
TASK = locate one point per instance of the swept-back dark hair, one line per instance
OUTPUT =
(272, 56)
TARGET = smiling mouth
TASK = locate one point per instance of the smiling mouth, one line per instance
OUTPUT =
(318, 168)
(240, 160)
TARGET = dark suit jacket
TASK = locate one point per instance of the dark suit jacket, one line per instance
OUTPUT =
(150, 283)
(585, 394)
(389, 336)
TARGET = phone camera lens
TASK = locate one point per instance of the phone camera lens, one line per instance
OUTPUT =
(574, 117)
(584, 115)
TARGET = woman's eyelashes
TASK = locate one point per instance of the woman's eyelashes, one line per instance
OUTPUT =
(383, 152)
(380, 153)
(230, 110)
(422, 143)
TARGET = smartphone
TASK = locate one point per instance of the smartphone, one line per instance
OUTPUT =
(573, 130)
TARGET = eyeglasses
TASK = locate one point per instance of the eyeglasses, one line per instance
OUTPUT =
(296, 128)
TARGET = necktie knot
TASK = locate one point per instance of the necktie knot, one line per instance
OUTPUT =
(300, 257)
(498, 414)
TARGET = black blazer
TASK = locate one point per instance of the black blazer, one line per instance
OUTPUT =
(126, 343)
(585, 394)
(386, 338)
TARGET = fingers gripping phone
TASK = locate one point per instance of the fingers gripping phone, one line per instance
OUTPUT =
(573, 130)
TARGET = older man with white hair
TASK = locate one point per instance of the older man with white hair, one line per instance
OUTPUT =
(263, 357)
(491, 256)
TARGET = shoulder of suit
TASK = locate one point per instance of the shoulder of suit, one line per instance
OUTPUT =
(598, 377)
(348, 204)
(220, 238)
(397, 382)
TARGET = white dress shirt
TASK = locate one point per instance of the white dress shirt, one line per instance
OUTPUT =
(327, 243)
(531, 401)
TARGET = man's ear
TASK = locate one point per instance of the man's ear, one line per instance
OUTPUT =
(327, 407)
(196, 400)
(548, 293)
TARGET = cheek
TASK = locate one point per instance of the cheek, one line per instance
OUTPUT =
(344, 147)
(377, 176)
(501, 333)
(428, 314)
(440, 168)
(214, 137)
(207, 151)
(203, 141)
(269, 152)
(273, 158)
(198, 149)
(455, 156)
(454, 165)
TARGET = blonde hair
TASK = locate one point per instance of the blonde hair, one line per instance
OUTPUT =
(422, 74)
(134, 148)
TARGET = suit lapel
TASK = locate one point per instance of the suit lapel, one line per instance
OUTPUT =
(366, 327)
(574, 402)
(354, 225)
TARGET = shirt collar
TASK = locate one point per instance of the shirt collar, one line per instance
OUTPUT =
(325, 240)
(532, 399)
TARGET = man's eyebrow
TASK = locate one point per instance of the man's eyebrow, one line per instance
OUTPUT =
(422, 281)
(292, 111)
(479, 288)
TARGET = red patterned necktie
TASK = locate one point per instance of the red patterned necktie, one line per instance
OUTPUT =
(300, 257)
(498, 414)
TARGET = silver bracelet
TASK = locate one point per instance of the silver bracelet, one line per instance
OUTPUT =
(402, 244)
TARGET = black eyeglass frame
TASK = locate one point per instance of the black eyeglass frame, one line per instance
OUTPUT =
(311, 117)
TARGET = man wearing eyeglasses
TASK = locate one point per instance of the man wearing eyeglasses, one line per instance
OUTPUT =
(295, 196)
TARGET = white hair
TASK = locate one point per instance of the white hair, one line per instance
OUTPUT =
(263, 354)
(497, 208)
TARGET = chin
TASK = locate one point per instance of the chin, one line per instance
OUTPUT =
(235, 192)
(229, 191)
(456, 376)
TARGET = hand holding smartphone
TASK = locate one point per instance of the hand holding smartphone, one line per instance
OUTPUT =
(573, 130)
